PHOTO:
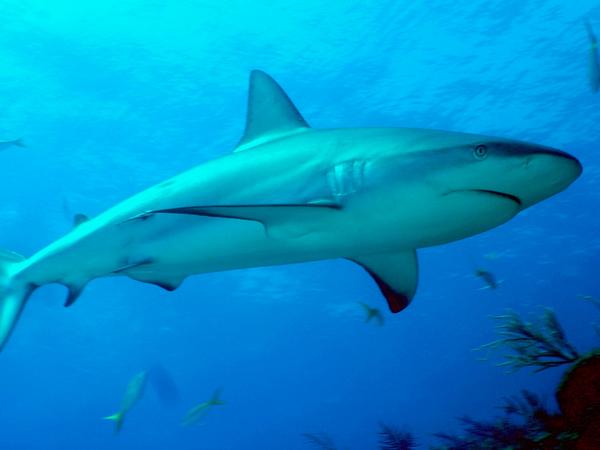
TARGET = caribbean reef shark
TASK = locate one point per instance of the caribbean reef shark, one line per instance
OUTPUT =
(289, 193)
(594, 59)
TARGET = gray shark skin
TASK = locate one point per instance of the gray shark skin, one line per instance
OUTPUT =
(290, 193)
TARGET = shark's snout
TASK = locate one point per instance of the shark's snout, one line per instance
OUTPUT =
(547, 171)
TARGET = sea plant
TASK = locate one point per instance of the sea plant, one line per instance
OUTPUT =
(525, 424)
(320, 441)
(539, 345)
(392, 438)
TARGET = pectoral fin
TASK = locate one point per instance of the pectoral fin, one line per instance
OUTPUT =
(396, 274)
(284, 220)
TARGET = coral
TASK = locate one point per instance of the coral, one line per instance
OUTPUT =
(320, 440)
(541, 345)
(526, 424)
(578, 397)
(391, 438)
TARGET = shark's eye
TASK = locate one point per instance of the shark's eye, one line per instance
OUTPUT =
(480, 152)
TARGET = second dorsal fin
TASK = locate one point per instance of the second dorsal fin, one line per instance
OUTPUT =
(271, 114)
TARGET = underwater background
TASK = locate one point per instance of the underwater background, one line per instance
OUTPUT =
(111, 97)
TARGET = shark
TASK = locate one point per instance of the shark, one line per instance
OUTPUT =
(290, 193)
(594, 59)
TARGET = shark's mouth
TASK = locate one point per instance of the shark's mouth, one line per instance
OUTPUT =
(514, 198)
(510, 197)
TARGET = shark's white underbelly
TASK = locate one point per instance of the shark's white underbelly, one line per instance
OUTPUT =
(189, 245)
(174, 246)
(224, 244)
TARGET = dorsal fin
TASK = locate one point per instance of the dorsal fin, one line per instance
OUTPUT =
(271, 114)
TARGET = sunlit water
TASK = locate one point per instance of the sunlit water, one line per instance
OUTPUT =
(114, 96)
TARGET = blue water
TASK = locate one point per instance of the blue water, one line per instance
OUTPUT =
(114, 96)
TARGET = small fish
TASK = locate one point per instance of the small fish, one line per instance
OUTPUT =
(14, 143)
(488, 277)
(199, 411)
(492, 256)
(594, 64)
(591, 299)
(134, 392)
(372, 313)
